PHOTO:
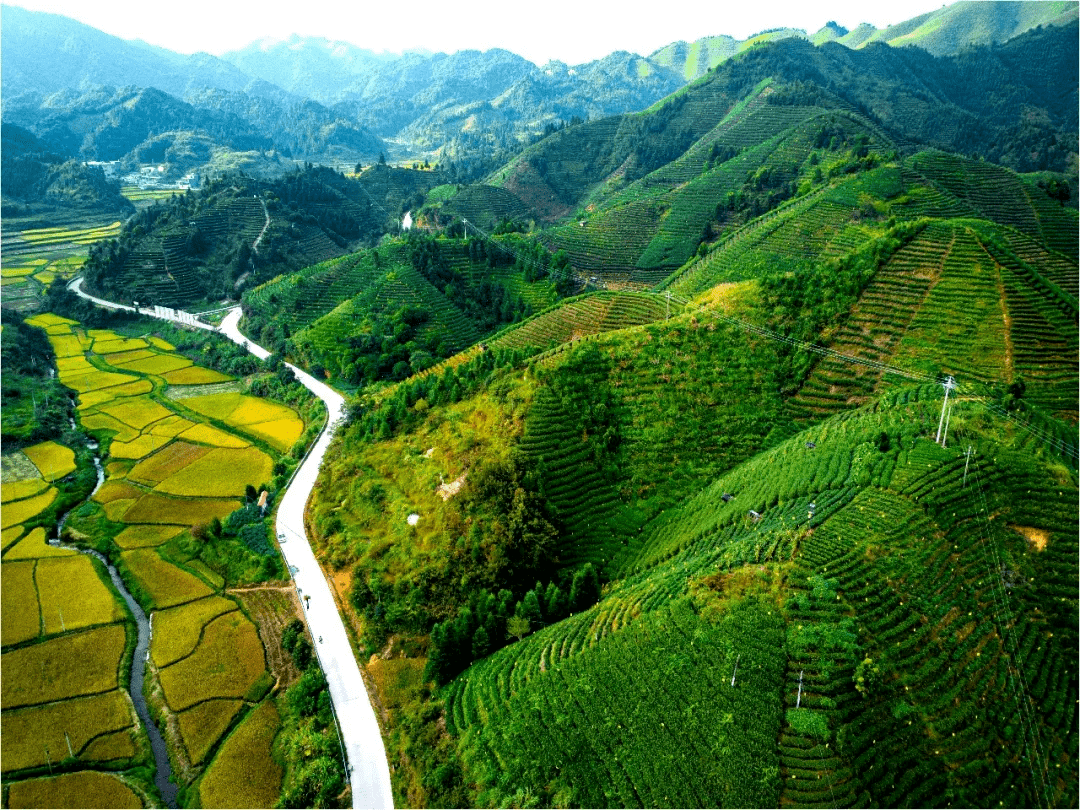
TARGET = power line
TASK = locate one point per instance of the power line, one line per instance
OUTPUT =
(1028, 724)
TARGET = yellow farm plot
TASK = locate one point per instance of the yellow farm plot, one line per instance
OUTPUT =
(207, 434)
(228, 662)
(103, 422)
(80, 789)
(52, 459)
(66, 345)
(92, 399)
(177, 630)
(170, 426)
(220, 473)
(195, 375)
(275, 424)
(34, 547)
(21, 511)
(155, 508)
(138, 412)
(157, 364)
(111, 343)
(17, 490)
(139, 447)
(127, 357)
(20, 615)
(29, 733)
(244, 773)
(142, 535)
(76, 236)
(47, 319)
(166, 463)
(166, 584)
(43, 672)
(18, 272)
(73, 595)
(203, 724)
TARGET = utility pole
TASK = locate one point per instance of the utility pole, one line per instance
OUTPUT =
(667, 310)
(949, 384)
(736, 669)
(946, 433)
(798, 699)
(966, 465)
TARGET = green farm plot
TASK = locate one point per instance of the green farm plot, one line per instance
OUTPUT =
(228, 662)
(33, 734)
(244, 773)
(80, 789)
(43, 673)
(165, 583)
(654, 751)
(587, 315)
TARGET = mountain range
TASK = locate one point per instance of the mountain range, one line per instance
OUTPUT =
(416, 102)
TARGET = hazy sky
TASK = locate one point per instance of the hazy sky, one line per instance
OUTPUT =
(572, 31)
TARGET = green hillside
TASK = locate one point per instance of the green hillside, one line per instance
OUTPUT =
(879, 652)
(393, 311)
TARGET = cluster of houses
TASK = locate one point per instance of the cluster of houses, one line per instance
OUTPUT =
(147, 177)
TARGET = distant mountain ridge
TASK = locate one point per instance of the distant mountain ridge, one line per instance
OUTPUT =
(465, 102)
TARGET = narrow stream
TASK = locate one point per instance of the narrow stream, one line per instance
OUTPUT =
(163, 770)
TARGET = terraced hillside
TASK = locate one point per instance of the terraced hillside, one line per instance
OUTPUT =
(956, 299)
(844, 671)
(640, 233)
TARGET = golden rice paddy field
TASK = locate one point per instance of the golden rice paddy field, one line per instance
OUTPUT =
(80, 789)
(244, 773)
(168, 467)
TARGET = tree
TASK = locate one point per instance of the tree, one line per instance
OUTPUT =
(518, 627)
(481, 644)
(530, 608)
(584, 589)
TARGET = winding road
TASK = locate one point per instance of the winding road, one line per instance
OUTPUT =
(369, 772)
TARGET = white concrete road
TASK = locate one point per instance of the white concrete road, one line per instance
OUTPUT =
(364, 749)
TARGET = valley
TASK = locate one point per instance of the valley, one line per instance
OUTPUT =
(690, 430)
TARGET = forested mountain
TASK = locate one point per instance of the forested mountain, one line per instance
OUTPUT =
(107, 123)
(34, 173)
